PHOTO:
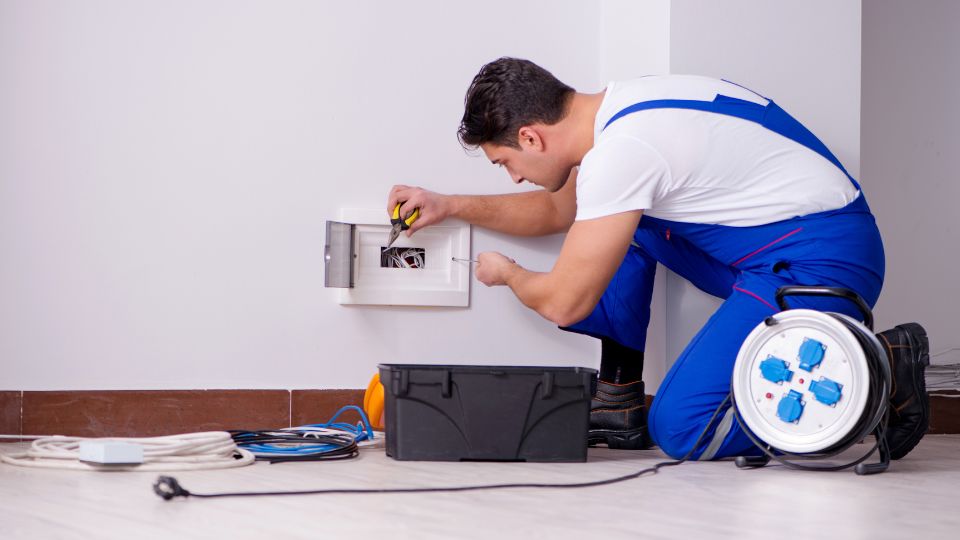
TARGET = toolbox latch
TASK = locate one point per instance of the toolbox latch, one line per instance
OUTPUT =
(546, 389)
(400, 381)
(445, 384)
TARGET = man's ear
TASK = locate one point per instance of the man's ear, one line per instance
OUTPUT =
(529, 138)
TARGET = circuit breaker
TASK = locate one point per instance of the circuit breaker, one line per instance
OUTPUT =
(429, 269)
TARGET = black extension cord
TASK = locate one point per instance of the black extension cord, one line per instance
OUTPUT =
(168, 488)
(345, 445)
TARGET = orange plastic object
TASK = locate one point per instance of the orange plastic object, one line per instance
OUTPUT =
(373, 402)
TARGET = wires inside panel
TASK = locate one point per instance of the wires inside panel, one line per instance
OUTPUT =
(403, 257)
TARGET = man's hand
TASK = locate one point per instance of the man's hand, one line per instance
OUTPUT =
(434, 207)
(591, 254)
(493, 268)
(532, 213)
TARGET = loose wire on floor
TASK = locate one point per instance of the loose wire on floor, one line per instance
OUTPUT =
(206, 450)
(168, 488)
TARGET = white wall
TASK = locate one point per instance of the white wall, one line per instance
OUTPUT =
(803, 55)
(911, 133)
(635, 41)
(166, 169)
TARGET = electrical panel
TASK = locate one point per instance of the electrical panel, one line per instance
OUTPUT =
(429, 269)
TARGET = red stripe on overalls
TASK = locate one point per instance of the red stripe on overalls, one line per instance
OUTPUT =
(782, 238)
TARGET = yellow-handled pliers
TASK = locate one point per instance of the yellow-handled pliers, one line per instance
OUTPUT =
(401, 224)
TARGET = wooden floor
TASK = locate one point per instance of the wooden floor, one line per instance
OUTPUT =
(916, 498)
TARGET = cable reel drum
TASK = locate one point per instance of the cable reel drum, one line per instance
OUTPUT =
(808, 385)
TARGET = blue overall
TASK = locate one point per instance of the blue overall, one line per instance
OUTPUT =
(744, 266)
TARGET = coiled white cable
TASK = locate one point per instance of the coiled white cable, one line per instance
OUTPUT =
(188, 451)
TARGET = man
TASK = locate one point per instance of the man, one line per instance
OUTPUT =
(706, 177)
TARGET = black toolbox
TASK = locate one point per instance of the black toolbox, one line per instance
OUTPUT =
(486, 413)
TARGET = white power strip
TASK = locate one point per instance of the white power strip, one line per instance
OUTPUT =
(111, 452)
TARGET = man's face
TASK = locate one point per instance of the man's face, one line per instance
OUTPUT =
(531, 164)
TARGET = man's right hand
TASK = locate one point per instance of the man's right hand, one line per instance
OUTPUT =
(531, 213)
(434, 207)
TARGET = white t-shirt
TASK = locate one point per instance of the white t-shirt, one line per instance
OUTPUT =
(700, 167)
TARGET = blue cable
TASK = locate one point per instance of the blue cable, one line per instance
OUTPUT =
(362, 430)
(350, 434)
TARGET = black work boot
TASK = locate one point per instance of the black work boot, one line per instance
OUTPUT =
(909, 353)
(618, 416)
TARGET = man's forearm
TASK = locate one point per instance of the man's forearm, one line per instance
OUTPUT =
(520, 214)
(592, 252)
(540, 292)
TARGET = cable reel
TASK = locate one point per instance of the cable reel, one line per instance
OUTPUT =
(808, 385)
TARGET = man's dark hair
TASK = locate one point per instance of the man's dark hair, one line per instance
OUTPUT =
(509, 93)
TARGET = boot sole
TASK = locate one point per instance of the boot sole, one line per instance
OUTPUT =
(634, 439)
(917, 333)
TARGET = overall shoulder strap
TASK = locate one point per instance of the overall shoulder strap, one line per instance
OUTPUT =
(770, 116)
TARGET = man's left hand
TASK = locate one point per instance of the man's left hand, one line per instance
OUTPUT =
(493, 268)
